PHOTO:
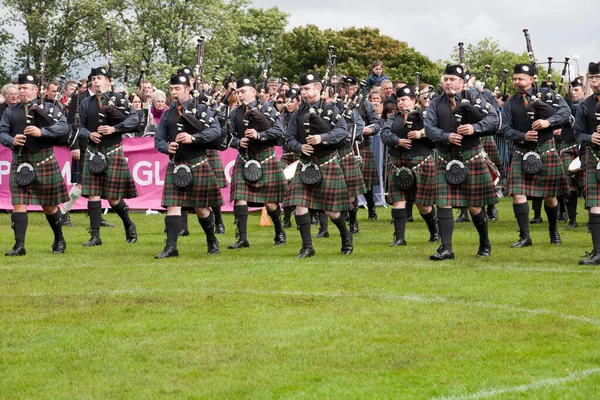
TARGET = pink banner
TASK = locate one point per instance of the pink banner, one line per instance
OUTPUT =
(147, 167)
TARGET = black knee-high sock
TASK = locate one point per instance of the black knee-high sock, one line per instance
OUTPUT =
(19, 220)
(340, 223)
(369, 199)
(122, 211)
(561, 204)
(446, 226)
(217, 215)
(399, 215)
(54, 222)
(481, 224)
(276, 218)
(536, 205)
(522, 215)
(323, 221)
(409, 208)
(173, 223)
(572, 205)
(595, 230)
(208, 226)
(241, 215)
(287, 211)
(430, 220)
(352, 214)
(95, 213)
(552, 213)
(184, 220)
(303, 222)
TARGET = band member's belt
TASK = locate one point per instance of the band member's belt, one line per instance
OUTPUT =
(416, 167)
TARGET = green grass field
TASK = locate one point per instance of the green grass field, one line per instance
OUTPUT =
(113, 323)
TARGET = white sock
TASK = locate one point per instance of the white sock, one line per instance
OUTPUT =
(74, 194)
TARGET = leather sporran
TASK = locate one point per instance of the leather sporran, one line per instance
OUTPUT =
(404, 178)
(182, 176)
(25, 174)
(252, 171)
(97, 162)
(456, 172)
(310, 175)
(532, 163)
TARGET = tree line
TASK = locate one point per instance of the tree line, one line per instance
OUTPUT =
(159, 36)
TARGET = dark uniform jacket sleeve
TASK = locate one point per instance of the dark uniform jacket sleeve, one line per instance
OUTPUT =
(161, 136)
(210, 133)
(582, 136)
(5, 138)
(82, 126)
(60, 128)
(131, 124)
(292, 134)
(235, 142)
(338, 133)
(387, 136)
(276, 131)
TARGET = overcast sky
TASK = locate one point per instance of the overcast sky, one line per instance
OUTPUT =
(433, 28)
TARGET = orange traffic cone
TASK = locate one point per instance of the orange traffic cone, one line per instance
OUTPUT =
(264, 218)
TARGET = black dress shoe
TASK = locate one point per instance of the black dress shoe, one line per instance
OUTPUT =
(213, 246)
(65, 220)
(131, 234)
(562, 217)
(464, 216)
(314, 220)
(287, 223)
(219, 229)
(353, 228)
(59, 247)
(484, 250)
(17, 250)
(372, 214)
(323, 233)
(434, 237)
(280, 238)
(398, 241)
(306, 252)
(94, 240)
(106, 224)
(410, 218)
(169, 251)
(347, 247)
(442, 254)
(184, 232)
(555, 237)
(594, 259)
(492, 213)
(524, 241)
(239, 244)
(537, 220)
(572, 225)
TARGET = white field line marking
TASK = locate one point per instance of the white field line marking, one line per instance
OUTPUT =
(390, 297)
(543, 383)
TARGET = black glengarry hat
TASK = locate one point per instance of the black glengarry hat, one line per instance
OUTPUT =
(309, 77)
(245, 82)
(351, 80)
(100, 71)
(456, 70)
(594, 68)
(526, 69)
(405, 91)
(28, 77)
(185, 71)
(180, 79)
(577, 83)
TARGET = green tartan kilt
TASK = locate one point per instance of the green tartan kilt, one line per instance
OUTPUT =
(478, 190)
(423, 191)
(270, 188)
(217, 167)
(592, 188)
(489, 145)
(203, 192)
(115, 182)
(568, 153)
(549, 182)
(352, 174)
(288, 158)
(48, 189)
(329, 195)
(368, 167)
